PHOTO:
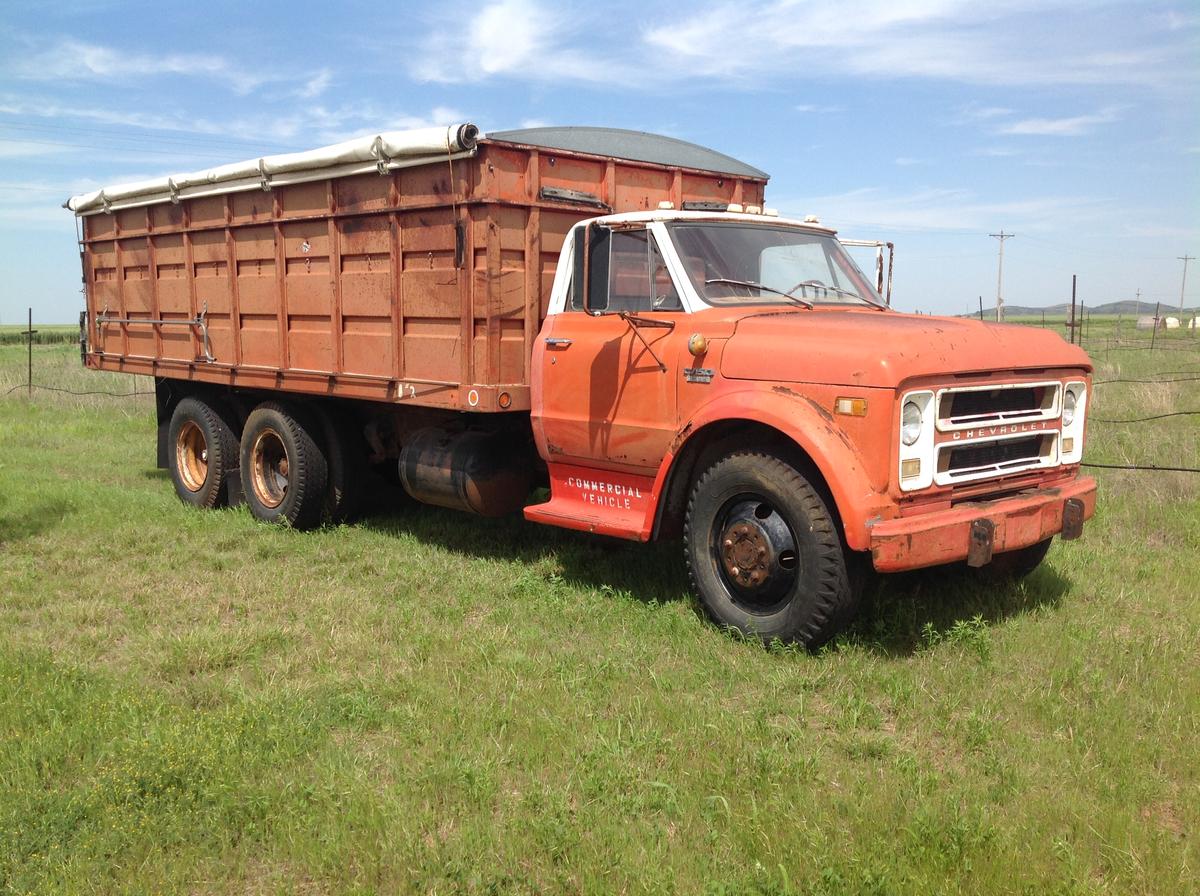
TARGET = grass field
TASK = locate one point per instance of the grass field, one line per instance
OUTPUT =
(426, 702)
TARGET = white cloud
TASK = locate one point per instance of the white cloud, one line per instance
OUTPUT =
(18, 149)
(812, 108)
(73, 60)
(1073, 126)
(307, 126)
(943, 210)
(316, 85)
(1012, 43)
(526, 39)
(977, 112)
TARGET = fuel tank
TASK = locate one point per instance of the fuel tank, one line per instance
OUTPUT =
(487, 472)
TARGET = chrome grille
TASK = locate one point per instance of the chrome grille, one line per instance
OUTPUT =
(964, 462)
(967, 407)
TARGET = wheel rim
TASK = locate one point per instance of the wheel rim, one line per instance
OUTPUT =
(755, 553)
(191, 456)
(269, 468)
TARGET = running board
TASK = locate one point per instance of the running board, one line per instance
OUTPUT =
(600, 501)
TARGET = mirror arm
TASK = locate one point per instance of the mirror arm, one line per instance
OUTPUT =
(634, 323)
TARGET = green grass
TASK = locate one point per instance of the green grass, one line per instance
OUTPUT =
(427, 702)
(44, 334)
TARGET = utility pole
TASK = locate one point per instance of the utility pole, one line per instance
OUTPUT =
(1137, 305)
(1185, 259)
(1001, 236)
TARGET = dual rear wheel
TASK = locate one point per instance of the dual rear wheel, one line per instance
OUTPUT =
(297, 466)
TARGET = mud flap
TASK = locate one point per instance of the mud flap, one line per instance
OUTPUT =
(235, 495)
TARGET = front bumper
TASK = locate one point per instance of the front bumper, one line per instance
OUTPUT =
(945, 536)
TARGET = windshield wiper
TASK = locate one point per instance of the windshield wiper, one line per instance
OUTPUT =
(750, 284)
(804, 286)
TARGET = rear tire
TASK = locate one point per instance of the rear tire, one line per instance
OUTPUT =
(284, 471)
(764, 553)
(203, 453)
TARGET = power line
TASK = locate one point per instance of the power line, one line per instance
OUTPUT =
(1145, 419)
(1147, 467)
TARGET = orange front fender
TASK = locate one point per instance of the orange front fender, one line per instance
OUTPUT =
(814, 429)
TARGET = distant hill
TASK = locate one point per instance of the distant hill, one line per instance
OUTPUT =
(1063, 309)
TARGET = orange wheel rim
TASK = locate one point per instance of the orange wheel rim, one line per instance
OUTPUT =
(269, 468)
(191, 456)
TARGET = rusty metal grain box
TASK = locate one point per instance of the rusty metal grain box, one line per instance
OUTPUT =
(425, 284)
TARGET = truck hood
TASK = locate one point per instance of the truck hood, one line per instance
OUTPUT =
(870, 348)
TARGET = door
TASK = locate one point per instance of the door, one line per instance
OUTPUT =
(608, 379)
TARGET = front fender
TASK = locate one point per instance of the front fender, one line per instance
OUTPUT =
(814, 429)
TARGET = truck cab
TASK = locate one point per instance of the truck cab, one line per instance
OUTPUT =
(734, 378)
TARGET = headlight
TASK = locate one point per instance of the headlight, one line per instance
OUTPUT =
(1069, 402)
(910, 423)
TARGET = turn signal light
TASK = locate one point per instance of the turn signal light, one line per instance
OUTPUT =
(505, 400)
(911, 468)
(1068, 446)
(851, 407)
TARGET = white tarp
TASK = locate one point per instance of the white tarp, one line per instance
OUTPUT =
(395, 149)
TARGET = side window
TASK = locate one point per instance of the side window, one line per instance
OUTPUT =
(638, 279)
(626, 272)
(629, 271)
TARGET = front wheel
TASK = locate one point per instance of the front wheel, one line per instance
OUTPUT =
(764, 552)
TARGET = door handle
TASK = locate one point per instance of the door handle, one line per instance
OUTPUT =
(557, 342)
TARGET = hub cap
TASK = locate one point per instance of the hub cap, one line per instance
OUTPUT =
(269, 468)
(191, 456)
(755, 553)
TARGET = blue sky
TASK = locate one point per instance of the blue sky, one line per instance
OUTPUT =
(931, 123)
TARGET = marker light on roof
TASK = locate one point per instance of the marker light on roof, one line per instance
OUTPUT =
(666, 205)
(734, 207)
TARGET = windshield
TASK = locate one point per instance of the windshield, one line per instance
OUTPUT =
(743, 263)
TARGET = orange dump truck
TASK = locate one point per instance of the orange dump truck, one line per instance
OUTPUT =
(608, 315)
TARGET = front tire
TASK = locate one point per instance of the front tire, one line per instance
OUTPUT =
(764, 553)
(283, 467)
(203, 453)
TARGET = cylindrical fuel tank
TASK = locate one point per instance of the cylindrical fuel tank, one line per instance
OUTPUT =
(483, 472)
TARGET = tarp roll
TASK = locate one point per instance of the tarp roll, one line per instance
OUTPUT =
(397, 148)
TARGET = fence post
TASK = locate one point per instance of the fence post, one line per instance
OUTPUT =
(29, 331)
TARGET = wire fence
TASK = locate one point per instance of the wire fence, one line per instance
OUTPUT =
(1108, 338)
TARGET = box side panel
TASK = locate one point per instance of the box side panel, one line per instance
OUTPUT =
(427, 284)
